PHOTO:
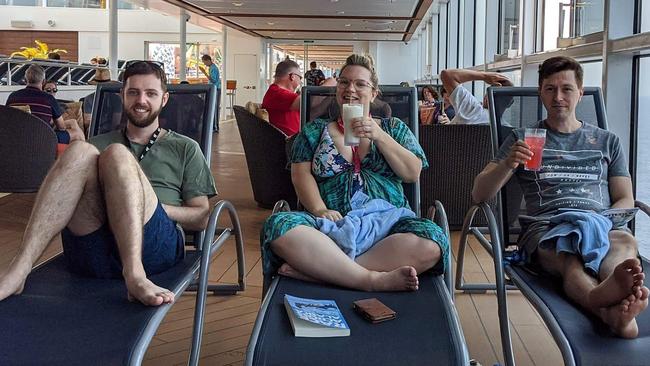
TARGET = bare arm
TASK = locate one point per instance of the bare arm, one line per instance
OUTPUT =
(404, 163)
(193, 215)
(295, 106)
(620, 192)
(308, 193)
(488, 182)
(451, 78)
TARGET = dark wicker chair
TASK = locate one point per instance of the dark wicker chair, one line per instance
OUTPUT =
(264, 146)
(456, 154)
(27, 151)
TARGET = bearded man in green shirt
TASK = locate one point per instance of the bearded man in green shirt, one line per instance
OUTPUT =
(119, 200)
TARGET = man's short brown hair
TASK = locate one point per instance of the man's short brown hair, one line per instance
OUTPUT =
(557, 64)
(285, 67)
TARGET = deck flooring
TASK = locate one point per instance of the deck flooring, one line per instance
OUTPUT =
(229, 319)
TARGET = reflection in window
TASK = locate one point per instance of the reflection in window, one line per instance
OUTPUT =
(642, 226)
(509, 23)
(96, 4)
(593, 73)
(589, 17)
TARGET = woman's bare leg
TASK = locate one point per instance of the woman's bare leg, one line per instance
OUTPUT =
(315, 255)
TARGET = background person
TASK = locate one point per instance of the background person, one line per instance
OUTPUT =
(611, 289)
(44, 106)
(469, 110)
(314, 76)
(215, 79)
(281, 100)
(328, 175)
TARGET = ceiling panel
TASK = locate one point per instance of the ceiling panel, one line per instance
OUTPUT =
(311, 7)
(372, 20)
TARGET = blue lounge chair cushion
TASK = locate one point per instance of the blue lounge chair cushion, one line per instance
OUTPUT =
(90, 320)
(424, 332)
(592, 343)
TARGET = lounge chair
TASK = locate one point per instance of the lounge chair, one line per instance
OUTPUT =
(264, 146)
(27, 150)
(64, 319)
(426, 330)
(582, 339)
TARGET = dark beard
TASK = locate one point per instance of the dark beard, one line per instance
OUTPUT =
(143, 122)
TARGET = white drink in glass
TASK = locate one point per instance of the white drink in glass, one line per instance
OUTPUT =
(350, 112)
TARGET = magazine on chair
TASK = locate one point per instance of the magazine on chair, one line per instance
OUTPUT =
(315, 318)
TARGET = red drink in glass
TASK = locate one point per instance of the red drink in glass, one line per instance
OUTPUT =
(535, 138)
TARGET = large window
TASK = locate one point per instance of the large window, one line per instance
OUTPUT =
(169, 55)
(479, 32)
(557, 20)
(642, 226)
(509, 27)
(589, 16)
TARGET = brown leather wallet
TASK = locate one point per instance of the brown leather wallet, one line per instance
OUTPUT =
(374, 310)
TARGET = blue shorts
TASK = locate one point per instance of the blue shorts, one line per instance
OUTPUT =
(62, 136)
(96, 254)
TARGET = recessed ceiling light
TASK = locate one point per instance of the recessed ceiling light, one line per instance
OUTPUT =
(334, 1)
(289, 34)
(340, 12)
(270, 23)
(348, 25)
(238, 4)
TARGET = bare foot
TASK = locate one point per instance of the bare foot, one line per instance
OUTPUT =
(401, 279)
(12, 282)
(288, 271)
(619, 285)
(147, 292)
(621, 317)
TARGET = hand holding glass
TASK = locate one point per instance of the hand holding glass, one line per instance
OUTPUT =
(349, 113)
(535, 138)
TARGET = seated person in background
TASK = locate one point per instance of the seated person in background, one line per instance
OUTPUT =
(51, 88)
(143, 180)
(449, 112)
(44, 106)
(314, 76)
(380, 109)
(281, 100)
(611, 288)
(429, 96)
(429, 108)
(331, 178)
(469, 110)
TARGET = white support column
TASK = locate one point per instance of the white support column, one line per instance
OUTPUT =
(112, 37)
(224, 69)
(184, 18)
(617, 90)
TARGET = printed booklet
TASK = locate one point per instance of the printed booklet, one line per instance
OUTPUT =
(315, 318)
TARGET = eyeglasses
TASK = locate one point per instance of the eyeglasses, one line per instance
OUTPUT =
(359, 84)
(298, 75)
(154, 63)
(50, 90)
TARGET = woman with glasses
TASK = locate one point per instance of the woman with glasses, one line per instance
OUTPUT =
(335, 182)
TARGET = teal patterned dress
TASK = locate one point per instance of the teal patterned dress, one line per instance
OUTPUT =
(337, 182)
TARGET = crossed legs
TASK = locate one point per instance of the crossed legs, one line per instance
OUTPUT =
(390, 265)
(617, 296)
(82, 191)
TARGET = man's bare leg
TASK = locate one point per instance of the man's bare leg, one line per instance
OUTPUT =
(56, 201)
(315, 255)
(130, 203)
(578, 284)
(620, 272)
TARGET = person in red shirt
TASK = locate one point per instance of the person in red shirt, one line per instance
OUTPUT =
(281, 100)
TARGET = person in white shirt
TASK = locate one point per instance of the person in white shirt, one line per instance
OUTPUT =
(469, 110)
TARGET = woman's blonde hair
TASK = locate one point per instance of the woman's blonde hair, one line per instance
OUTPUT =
(365, 61)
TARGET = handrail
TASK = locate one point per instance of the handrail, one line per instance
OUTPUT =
(14, 63)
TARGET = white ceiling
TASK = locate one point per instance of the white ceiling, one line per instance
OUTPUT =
(362, 20)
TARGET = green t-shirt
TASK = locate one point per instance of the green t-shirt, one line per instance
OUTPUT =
(175, 166)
